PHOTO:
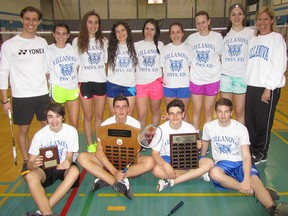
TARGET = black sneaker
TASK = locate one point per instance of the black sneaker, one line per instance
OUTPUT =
(97, 184)
(273, 193)
(24, 170)
(123, 187)
(257, 160)
(281, 209)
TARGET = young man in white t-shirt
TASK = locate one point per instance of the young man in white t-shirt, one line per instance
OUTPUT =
(161, 152)
(95, 163)
(233, 166)
(65, 137)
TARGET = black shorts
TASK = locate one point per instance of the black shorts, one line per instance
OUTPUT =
(89, 89)
(25, 108)
(52, 175)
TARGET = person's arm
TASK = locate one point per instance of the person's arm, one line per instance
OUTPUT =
(100, 155)
(34, 162)
(171, 174)
(205, 145)
(245, 184)
(67, 162)
(5, 101)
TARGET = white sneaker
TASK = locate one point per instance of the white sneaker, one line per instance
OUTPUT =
(164, 183)
(206, 177)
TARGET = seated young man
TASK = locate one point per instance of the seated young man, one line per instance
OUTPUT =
(95, 163)
(161, 152)
(65, 137)
(230, 150)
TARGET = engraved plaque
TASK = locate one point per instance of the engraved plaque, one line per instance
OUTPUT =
(184, 151)
(50, 157)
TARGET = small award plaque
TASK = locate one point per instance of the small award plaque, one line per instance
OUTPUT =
(50, 157)
(184, 151)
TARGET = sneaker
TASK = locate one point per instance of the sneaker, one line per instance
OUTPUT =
(32, 214)
(205, 177)
(258, 160)
(164, 183)
(281, 209)
(273, 193)
(92, 147)
(123, 187)
(24, 170)
(97, 184)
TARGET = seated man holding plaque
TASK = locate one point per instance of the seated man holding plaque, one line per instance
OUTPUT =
(99, 165)
(170, 176)
(57, 142)
(233, 166)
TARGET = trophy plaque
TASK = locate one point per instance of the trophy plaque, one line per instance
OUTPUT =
(50, 157)
(184, 151)
(119, 142)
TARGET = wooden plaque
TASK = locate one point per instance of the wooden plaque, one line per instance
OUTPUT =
(119, 142)
(50, 157)
(184, 151)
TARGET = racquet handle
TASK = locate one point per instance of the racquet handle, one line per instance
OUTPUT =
(15, 155)
(176, 207)
(9, 114)
(125, 169)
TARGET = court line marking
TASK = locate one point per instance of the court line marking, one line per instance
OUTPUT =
(116, 208)
(18, 183)
(280, 137)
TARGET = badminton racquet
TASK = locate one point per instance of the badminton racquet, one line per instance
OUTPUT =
(149, 137)
(12, 136)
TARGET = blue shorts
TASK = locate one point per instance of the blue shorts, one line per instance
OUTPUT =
(177, 92)
(114, 90)
(236, 85)
(233, 169)
(166, 158)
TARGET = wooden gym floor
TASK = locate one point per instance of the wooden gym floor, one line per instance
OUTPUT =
(200, 198)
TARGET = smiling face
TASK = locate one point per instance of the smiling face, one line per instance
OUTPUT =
(92, 25)
(54, 121)
(236, 17)
(149, 32)
(264, 23)
(61, 35)
(30, 22)
(121, 34)
(202, 24)
(175, 116)
(176, 34)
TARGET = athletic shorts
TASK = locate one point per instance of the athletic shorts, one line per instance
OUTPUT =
(52, 175)
(61, 95)
(235, 170)
(153, 90)
(210, 89)
(114, 90)
(166, 158)
(90, 89)
(236, 85)
(25, 108)
(177, 92)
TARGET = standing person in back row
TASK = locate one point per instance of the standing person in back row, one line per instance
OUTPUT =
(205, 71)
(23, 62)
(265, 78)
(235, 59)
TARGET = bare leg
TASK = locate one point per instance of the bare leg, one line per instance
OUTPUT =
(73, 111)
(186, 103)
(141, 105)
(87, 107)
(23, 140)
(99, 106)
(144, 164)
(197, 105)
(131, 100)
(239, 100)
(155, 111)
(209, 107)
(110, 103)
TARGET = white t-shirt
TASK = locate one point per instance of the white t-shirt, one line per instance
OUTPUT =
(235, 52)
(23, 61)
(92, 62)
(267, 61)
(124, 72)
(206, 52)
(176, 61)
(129, 121)
(164, 145)
(226, 142)
(62, 66)
(66, 140)
(148, 68)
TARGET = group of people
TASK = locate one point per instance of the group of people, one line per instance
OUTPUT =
(247, 66)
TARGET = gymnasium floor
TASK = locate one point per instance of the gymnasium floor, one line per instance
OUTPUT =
(200, 198)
